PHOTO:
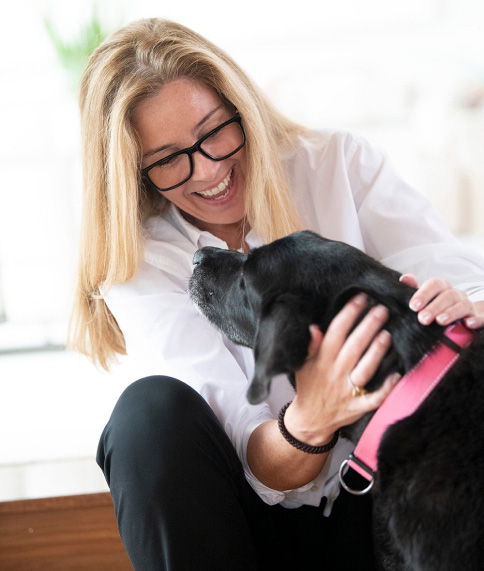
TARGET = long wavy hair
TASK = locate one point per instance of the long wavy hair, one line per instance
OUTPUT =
(130, 66)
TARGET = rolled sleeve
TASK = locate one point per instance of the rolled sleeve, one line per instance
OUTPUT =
(326, 484)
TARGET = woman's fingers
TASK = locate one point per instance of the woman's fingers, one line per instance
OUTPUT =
(349, 347)
(315, 342)
(439, 302)
(325, 398)
(409, 279)
(373, 400)
(357, 406)
(476, 321)
(341, 325)
(450, 306)
(436, 300)
(367, 366)
(362, 337)
(427, 292)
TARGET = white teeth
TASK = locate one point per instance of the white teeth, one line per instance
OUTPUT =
(218, 189)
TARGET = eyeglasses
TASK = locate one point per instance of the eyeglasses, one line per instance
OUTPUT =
(174, 170)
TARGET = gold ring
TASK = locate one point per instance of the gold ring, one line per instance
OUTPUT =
(355, 390)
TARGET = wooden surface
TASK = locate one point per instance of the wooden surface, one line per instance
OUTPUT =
(69, 533)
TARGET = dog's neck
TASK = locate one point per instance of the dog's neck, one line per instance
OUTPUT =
(410, 340)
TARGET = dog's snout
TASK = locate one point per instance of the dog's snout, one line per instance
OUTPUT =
(197, 258)
(203, 254)
(200, 255)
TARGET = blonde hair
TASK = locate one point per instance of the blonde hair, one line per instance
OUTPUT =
(131, 65)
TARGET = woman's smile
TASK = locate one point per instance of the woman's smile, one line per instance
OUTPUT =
(221, 191)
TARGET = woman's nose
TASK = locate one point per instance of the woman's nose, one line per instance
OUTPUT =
(204, 168)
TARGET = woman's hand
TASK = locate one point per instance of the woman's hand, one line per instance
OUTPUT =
(436, 300)
(325, 400)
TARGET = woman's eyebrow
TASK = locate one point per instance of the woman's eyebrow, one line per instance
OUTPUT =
(207, 116)
(154, 151)
(197, 126)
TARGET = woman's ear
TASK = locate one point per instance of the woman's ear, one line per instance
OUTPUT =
(281, 344)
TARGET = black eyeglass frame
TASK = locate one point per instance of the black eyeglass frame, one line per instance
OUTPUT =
(197, 147)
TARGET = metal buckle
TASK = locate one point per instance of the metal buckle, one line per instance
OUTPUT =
(345, 485)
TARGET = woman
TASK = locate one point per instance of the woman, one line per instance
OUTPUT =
(182, 151)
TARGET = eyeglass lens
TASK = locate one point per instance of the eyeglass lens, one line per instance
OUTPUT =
(176, 169)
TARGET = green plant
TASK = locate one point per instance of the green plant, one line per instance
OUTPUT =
(73, 54)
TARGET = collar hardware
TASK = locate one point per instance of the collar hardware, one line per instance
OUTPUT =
(403, 401)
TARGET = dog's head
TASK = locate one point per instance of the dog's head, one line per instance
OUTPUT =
(268, 298)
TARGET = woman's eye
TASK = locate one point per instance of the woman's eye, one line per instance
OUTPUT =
(169, 162)
(213, 135)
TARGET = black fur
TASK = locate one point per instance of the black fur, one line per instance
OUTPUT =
(429, 491)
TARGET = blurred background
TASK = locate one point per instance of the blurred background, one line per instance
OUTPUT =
(408, 76)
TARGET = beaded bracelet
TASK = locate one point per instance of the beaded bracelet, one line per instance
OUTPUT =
(301, 445)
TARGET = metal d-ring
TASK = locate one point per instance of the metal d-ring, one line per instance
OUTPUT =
(345, 485)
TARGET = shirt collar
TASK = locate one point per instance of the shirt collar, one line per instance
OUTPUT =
(201, 238)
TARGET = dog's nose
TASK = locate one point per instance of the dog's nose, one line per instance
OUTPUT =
(202, 253)
(197, 258)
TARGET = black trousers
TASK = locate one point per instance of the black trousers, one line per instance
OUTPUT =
(182, 502)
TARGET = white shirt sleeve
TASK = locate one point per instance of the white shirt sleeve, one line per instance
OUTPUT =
(403, 230)
(353, 194)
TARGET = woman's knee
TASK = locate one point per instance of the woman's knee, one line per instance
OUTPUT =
(158, 422)
(150, 409)
(156, 394)
(153, 404)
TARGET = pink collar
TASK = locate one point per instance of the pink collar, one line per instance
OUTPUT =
(404, 400)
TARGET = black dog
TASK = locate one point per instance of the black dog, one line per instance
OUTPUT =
(429, 491)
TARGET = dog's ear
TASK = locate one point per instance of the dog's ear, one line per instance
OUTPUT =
(394, 297)
(281, 344)
(410, 339)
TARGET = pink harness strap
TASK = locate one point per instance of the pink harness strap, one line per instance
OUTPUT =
(404, 400)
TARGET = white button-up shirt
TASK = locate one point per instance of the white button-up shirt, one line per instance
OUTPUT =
(344, 190)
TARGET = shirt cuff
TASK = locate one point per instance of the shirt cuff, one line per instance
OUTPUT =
(474, 292)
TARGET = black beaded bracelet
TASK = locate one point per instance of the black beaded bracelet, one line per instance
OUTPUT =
(301, 445)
